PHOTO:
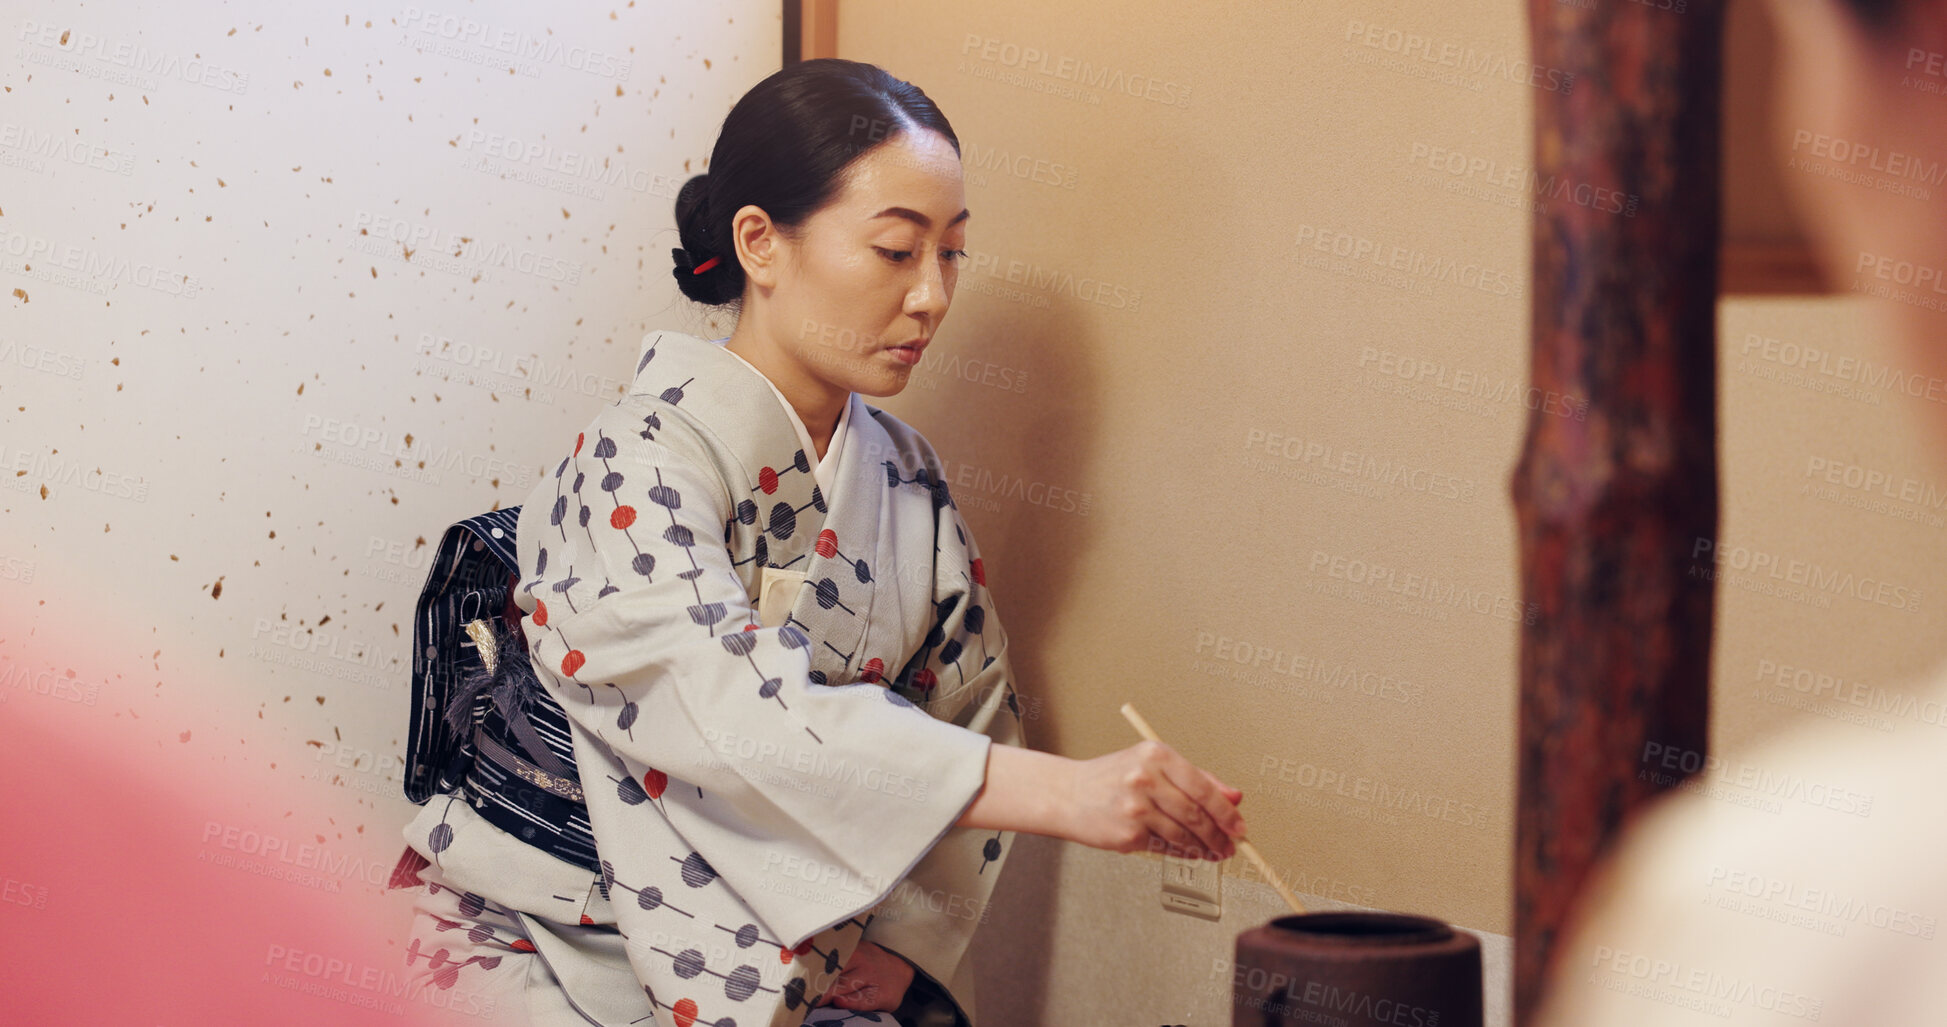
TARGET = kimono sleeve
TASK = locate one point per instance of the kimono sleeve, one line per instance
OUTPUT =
(929, 920)
(640, 627)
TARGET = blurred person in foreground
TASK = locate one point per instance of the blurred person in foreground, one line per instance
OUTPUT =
(1715, 912)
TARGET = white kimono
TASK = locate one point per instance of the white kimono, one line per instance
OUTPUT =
(779, 703)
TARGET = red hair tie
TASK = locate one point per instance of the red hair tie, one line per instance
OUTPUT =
(705, 266)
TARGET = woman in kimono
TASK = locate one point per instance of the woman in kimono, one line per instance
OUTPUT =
(792, 712)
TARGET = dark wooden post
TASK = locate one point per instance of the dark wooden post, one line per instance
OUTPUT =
(1617, 503)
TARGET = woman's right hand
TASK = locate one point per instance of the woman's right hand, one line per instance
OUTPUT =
(1149, 797)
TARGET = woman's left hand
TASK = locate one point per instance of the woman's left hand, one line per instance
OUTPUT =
(873, 980)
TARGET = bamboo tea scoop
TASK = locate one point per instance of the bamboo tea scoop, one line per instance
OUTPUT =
(1243, 845)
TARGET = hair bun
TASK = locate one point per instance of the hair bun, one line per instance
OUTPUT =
(694, 257)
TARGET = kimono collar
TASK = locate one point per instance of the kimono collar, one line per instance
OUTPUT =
(680, 367)
(825, 469)
(675, 365)
(719, 390)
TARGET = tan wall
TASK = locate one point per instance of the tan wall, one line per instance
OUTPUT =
(1145, 328)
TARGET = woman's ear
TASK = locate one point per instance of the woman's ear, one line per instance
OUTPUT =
(758, 244)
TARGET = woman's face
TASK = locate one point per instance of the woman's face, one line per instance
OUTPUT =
(872, 271)
(1836, 83)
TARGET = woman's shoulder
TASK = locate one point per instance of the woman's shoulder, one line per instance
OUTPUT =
(906, 440)
(631, 435)
(648, 426)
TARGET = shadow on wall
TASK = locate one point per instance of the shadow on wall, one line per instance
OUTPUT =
(990, 438)
(1013, 950)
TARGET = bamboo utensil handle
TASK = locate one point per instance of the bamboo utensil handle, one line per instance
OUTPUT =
(1243, 845)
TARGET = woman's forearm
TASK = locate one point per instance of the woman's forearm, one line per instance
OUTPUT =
(1026, 790)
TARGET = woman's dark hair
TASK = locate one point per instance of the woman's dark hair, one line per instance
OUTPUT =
(1879, 17)
(782, 148)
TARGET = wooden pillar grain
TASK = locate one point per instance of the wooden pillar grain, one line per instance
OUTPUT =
(1612, 501)
(820, 28)
(810, 30)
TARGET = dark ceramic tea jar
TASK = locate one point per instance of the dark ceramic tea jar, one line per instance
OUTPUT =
(1356, 970)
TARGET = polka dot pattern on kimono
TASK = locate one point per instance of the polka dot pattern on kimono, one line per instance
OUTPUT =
(641, 554)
